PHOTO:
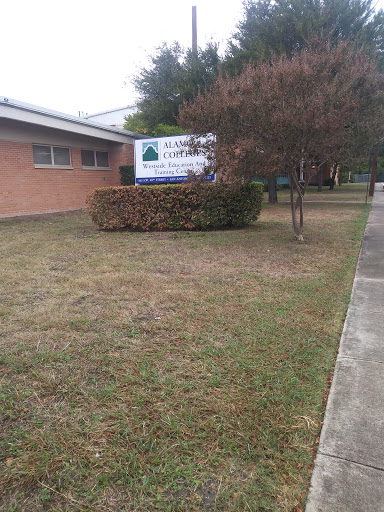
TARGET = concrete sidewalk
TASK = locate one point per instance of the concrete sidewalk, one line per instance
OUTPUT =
(349, 470)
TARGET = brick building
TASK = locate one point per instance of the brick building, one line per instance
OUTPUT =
(50, 162)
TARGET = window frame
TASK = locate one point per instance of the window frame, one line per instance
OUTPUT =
(95, 167)
(52, 165)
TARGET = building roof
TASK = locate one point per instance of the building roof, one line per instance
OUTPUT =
(25, 112)
(110, 111)
(114, 117)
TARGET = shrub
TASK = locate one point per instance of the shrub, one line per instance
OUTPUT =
(176, 207)
(127, 174)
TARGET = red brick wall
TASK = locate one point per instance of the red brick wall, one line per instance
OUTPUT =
(121, 156)
(25, 190)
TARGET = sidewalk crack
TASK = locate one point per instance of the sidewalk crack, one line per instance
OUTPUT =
(350, 461)
(360, 359)
(358, 278)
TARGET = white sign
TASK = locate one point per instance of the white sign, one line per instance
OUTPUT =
(168, 160)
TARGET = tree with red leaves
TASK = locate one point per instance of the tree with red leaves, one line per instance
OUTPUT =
(322, 105)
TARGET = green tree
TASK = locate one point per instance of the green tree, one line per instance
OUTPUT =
(135, 123)
(174, 75)
(272, 27)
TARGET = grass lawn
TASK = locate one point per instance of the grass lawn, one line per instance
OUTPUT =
(168, 371)
(347, 192)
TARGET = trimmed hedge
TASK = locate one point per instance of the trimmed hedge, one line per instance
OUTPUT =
(176, 207)
(127, 174)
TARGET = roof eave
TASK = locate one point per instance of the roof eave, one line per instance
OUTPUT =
(66, 118)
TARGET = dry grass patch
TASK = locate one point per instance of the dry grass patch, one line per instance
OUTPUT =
(168, 371)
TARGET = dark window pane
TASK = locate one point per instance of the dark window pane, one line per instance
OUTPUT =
(61, 156)
(102, 159)
(42, 155)
(87, 158)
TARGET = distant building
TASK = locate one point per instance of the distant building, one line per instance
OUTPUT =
(114, 117)
(50, 161)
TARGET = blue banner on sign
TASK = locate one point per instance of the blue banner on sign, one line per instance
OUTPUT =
(171, 179)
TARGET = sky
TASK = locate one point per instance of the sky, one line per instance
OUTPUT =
(80, 55)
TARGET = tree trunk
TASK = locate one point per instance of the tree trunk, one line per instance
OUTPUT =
(297, 204)
(320, 178)
(340, 176)
(373, 172)
(332, 185)
(301, 215)
(297, 229)
(272, 190)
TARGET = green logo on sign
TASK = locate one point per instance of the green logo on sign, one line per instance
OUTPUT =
(150, 151)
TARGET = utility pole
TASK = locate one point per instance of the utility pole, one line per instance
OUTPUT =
(194, 30)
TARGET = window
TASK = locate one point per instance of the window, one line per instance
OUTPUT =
(92, 159)
(51, 156)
